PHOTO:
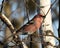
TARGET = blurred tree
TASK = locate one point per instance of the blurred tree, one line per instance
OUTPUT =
(31, 6)
(7, 8)
(47, 23)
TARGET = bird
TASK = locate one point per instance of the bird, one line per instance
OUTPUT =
(30, 28)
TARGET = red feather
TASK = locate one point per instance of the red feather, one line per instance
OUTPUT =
(31, 28)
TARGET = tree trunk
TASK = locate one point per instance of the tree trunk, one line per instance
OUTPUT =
(47, 24)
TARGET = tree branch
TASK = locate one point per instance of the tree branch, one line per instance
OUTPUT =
(7, 22)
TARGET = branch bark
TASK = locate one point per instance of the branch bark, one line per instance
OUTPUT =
(7, 22)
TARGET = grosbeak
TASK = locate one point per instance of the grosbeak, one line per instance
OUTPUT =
(31, 26)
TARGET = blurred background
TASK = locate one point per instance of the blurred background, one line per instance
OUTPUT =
(19, 10)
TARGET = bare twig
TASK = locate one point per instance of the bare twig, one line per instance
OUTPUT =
(7, 22)
(2, 6)
(50, 7)
(44, 6)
